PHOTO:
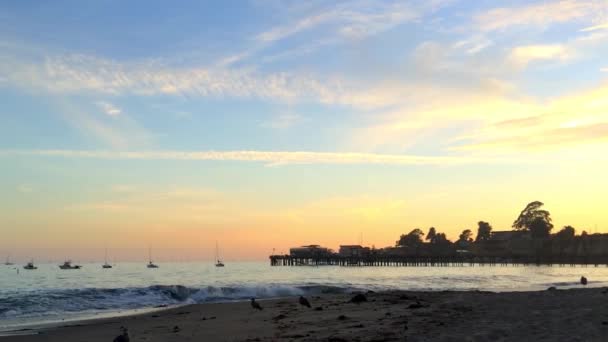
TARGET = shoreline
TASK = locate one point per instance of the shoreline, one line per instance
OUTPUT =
(568, 314)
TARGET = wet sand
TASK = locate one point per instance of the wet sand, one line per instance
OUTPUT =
(559, 315)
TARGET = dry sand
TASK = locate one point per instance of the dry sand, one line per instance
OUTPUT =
(561, 315)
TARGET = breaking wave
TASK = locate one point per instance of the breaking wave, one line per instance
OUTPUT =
(73, 301)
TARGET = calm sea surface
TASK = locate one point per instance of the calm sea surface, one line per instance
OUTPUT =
(49, 294)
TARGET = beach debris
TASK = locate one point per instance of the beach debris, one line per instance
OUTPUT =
(176, 329)
(279, 317)
(256, 305)
(304, 302)
(583, 280)
(124, 337)
(342, 318)
(358, 298)
(552, 288)
(605, 291)
(319, 308)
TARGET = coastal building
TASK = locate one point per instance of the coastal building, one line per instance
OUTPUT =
(349, 251)
(310, 251)
(508, 243)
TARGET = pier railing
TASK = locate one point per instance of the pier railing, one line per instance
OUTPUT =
(437, 261)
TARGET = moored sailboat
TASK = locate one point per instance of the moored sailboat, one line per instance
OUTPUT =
(150, 263)
(105, 264)
(218, 261)
(8, 261)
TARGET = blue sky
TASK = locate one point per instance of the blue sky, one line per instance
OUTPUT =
(295, 114)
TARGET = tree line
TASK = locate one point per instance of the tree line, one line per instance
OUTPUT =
(533, 219)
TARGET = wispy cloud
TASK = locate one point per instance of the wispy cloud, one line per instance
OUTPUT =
(473, 45)
(78, 73)
(271, 158)
(540, 15)
(575, 120)
(109, 108)
(523, 55)
(604, 69)
(117, 131)
(355, 20)
(603, 26)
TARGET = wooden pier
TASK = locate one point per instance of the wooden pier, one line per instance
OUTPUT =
(438, 261)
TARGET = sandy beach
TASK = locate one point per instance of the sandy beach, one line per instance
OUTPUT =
(558, 315)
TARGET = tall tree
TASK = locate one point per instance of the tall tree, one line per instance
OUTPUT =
(431, 234)
(484, 231)
(566, 233)
(466, 236)
(565, 237)
(534, 220)
(412, 239)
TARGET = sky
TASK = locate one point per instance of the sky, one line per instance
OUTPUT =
(262, 125)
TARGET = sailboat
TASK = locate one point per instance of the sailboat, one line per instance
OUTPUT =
(150, 263)
(8, 261)
(218, 262)
(105, 264)
(30, 266)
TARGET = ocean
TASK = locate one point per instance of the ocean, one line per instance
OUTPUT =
(49, 295)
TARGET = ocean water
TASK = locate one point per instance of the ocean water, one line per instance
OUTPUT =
(49, 294)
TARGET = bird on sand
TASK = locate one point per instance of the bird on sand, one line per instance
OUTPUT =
(583, 280)
(124, 337)
(304, 302)
(255, 304)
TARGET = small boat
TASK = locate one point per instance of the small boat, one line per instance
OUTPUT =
(8, 261)
(218, 261)
(67, 265)
(150, 263)
(105, 264)
(30, 266)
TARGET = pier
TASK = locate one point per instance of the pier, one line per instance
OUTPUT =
(437, 261)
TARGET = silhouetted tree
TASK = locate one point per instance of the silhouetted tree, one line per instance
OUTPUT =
(412, 239)
(534, 220)
(465, 239)
(566, 233)
(466, 236)
(431, 234)
(441, 244)
(484, 231)
(565, 238)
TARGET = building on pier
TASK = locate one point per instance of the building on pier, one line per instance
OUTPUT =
(310, 251)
